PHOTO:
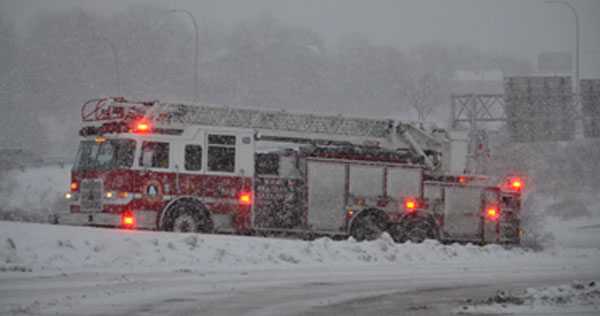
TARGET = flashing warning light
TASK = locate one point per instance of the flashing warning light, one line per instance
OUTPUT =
(68, 196)
(492, 212)
(128, 220)
(462, 179)
(410, 204)
(350, 212)
(245, 198)
(73, 185)
(142, 127)
(514, 182)
(100, 140)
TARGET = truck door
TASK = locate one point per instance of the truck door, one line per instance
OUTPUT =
(190, 169)
(154, 180)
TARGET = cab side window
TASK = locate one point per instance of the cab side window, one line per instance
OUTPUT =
(193, 157)
(221, 153)
(155, 155)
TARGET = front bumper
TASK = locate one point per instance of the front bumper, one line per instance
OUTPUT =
(142, 219)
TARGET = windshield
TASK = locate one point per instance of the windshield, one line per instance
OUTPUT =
(109, 154)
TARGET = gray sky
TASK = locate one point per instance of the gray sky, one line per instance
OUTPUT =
(523, 27)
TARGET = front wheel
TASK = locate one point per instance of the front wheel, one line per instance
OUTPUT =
(185, 223)
(189, 219)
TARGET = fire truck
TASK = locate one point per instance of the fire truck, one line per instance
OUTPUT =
(183, 167)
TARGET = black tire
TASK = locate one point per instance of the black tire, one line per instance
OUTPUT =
(417, 230)
(186, 217)
(368, 226)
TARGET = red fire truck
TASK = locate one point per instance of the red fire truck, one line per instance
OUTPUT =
(212, 168)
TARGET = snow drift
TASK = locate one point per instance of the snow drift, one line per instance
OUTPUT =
(42, 247)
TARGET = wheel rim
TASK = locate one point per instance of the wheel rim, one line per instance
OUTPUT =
(367, 228)
(184, 223)
(419, 232)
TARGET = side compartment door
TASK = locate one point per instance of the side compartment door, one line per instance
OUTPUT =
(491, 215)
(462, 213)
(366, 182)
(326, 196)
(403, 183)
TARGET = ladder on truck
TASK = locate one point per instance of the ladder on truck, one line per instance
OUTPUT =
(282, 125)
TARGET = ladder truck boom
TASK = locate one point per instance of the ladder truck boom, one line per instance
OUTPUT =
(281, 125)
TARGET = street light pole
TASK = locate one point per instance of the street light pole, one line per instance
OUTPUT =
(196, 50)
(576, 40)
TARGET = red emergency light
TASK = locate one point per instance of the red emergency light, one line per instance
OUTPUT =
(128, 221)
(492, 212)
(142, 126)
(410, 204)
(246, 198)
(515, 183)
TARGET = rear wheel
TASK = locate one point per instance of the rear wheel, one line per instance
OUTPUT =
(419, 229)
(368, 226)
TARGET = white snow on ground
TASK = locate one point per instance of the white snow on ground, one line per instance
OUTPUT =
(42, 247)
(574, 298)
(68, 254)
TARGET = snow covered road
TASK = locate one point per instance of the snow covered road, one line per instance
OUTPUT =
(60, 270)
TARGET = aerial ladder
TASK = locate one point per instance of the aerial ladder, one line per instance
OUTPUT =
(281, 125)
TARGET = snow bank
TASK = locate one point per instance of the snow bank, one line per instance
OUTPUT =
(34, 194)
(44, 247)
(575, 298)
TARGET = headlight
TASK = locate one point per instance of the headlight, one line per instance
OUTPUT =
(71, 196)
(115, 195)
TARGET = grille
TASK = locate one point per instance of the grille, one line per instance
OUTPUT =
(91, 195)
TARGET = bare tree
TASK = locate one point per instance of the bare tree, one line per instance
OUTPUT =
(426, 86)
